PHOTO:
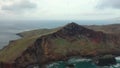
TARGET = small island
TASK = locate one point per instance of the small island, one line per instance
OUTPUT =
(43, 46)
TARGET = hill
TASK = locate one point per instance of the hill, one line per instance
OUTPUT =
(46, 45)
(112, 28)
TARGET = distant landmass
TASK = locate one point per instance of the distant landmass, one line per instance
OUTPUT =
(43, 46)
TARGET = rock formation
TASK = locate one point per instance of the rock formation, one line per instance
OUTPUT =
(70, 40)
(105, 60)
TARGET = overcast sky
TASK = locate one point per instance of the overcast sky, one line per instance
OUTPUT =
(59, 9)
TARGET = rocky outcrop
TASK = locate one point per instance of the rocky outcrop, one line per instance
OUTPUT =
(70, 66)
(70, 40)
(106, 60)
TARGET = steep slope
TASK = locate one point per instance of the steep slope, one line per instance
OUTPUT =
(77, 40)
(70, 40)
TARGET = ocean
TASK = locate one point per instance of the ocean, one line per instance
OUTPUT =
(81, 63)
(9, 29)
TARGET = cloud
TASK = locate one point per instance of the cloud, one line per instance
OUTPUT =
(109, 4)
(58, 9)
(18, 5)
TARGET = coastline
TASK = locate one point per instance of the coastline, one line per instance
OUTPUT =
(24, 46)
(12, 41)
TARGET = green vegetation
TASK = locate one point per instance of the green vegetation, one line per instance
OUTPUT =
(14, 49)
(81, 45)
(77, 44)
(37, 32)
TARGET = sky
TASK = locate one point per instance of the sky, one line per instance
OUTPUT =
(59, 9)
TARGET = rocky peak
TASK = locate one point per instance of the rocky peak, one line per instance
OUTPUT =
(72, 29)
(73, 26)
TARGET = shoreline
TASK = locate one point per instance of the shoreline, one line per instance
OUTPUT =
(12, 41)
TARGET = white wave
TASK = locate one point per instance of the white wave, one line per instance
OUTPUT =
(54, 64)
(74, 60)
(117, 58)
(116, 66)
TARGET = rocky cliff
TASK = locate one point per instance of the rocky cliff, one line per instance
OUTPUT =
(70, 40)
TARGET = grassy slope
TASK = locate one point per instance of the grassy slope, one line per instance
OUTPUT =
(37, 32)
(81, 46)
(15, 48)
(112, 28)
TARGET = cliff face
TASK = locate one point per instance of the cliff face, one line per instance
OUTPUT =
(70, 40)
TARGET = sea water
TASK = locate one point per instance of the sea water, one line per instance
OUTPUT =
(81, 63)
